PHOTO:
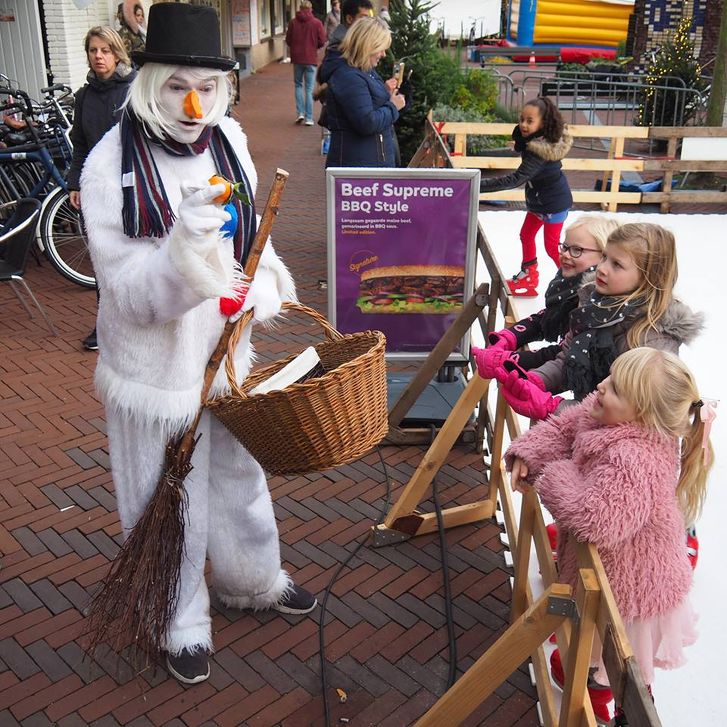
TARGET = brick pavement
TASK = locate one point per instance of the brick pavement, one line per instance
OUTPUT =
(384, 630)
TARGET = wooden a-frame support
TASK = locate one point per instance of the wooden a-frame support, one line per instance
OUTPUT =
(403, 520)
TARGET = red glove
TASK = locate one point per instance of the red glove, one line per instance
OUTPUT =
(512, 365)
(489, 361)
(527, 399)
(504, 339)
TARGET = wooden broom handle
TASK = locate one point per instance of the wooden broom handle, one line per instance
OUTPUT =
(253, 260)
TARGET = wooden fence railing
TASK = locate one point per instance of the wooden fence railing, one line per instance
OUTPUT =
(435, 152)
(576, 616)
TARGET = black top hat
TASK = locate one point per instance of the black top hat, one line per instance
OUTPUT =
(183, 35)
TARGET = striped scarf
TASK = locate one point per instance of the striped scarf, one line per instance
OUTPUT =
(146, 211)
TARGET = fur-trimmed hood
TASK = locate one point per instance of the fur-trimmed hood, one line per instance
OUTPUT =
(551, 152)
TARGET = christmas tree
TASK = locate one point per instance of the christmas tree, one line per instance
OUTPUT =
(673, 78)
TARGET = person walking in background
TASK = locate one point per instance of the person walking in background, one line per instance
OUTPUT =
(333, 19)
(304, 37)
(361, 108)
(351, 11)
(97, 108)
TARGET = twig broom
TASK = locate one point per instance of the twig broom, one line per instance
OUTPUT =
(138, 598)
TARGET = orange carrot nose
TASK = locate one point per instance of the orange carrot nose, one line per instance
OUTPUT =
(192, 106)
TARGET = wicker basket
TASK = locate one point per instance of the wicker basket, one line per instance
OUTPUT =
(318, 424)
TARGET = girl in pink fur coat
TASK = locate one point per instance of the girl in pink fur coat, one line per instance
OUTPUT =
(626, 470)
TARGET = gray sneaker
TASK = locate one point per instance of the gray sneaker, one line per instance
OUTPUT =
(188, 667)
(296, 600)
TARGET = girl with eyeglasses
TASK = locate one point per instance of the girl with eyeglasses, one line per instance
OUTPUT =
(585, 241)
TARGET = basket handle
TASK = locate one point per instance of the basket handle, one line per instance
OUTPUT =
(331, 333)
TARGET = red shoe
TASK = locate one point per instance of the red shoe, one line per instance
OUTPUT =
(525, 283)
(692, 547)
(552, 530)
(600, 696)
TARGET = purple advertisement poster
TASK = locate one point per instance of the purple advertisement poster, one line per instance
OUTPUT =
(402, 247)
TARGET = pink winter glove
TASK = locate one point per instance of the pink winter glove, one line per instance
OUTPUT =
(512, 365)
(527, 399)
(489, 361)
(504, 339)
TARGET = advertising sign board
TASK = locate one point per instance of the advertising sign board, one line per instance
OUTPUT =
(401, 253)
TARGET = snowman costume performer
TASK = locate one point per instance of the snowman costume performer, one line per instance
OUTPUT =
(164, 264)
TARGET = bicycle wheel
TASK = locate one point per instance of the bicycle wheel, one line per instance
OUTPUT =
(64, 239)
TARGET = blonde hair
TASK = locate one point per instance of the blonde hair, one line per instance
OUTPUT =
(364, 38)
(653, 250)
(598, 227)
(145, 89)
(664, 394)
(305, 4)
(110, 36)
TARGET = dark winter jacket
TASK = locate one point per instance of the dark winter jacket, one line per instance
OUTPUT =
(359, 114)
(549, 324)
(96, 110)
(678, 325)
(546, 188)
(304, 37)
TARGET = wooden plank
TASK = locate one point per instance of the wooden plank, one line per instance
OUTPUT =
(665, 132)
(521, 553)
(569, 163)
(684, 165)
(497, 663)
(518, 195)
(577, 130)
(671, 150)
(679, 195)
(452, 517)
(434, 457)
(617, 145)
(637, 703)
(579, 655)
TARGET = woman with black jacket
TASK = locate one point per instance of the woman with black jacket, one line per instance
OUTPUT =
(542, 139)
(97, 108)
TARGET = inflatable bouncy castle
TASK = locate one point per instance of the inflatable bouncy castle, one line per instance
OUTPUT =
(596, 24)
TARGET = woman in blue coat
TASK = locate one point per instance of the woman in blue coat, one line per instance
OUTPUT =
(361, 108)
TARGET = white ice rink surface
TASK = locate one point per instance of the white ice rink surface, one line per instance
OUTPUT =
(694, 693)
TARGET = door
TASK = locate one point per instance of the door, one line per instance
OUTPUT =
(21, 46)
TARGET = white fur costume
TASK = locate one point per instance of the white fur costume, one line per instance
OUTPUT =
(158, 323)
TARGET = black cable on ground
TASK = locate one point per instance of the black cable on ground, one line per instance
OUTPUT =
(332, 582)
(452, 675)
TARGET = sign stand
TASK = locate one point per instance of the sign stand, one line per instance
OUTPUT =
(404, 520)
(434, 362)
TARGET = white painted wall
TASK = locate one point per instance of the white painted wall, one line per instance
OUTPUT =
(66, 27)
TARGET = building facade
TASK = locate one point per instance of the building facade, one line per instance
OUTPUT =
(42, 41)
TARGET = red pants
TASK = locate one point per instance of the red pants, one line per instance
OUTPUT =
(529, 230)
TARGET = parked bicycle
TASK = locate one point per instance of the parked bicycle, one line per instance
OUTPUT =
(33, 164)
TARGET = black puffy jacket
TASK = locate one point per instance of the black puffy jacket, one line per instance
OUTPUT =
(546, 188)
(97, 108)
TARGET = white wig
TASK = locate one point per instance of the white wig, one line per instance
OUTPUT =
(146, 88)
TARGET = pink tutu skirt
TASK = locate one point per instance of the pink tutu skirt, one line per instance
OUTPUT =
(659, 641)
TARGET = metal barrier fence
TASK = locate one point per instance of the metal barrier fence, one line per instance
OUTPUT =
(608, 99)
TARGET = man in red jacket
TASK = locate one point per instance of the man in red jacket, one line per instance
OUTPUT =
(304, 37)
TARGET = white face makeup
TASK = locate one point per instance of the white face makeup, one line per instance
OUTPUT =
(171, 100)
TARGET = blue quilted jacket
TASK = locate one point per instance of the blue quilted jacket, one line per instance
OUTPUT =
(360, 116)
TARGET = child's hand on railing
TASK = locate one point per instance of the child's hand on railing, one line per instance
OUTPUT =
(518, 476)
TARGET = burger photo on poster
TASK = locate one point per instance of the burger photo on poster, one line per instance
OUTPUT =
(412, 289)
